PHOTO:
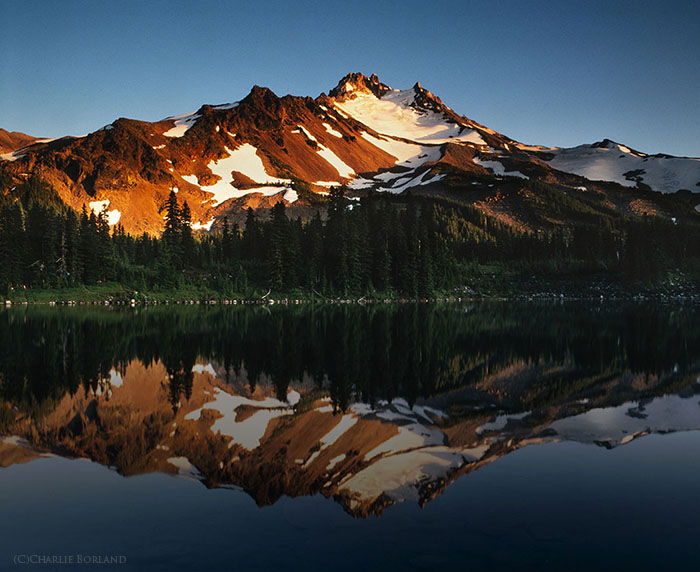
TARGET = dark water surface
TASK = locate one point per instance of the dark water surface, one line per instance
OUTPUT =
(492, 436)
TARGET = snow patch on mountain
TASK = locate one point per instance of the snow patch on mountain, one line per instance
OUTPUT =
(290, 196)
(343, 426)
(361, 183)
(524, 147)
(185, 469)
(201, 368)
(326, 184)
(500, 422)
(181, 124)
(246, 161)
(98, 207)
(226, 105)
(203, 225)
(332, 131)
(407, 154)
(400, 476)
(249, 432)
(345, 423)
(408, 182)
(115, 378)
(411, 436)
(334, 461)
(337, 163)
(389, 176)
(497, 168)
(394, 115)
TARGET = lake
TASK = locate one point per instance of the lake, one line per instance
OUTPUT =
(484, 436)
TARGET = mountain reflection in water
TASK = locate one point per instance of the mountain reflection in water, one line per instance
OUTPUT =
(368, 405)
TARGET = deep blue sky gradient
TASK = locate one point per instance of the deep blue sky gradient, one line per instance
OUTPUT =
(552, 73)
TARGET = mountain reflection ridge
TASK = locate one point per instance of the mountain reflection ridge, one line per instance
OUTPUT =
(369, 406)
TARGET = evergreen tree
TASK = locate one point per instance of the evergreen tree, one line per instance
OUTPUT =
(336, 252)
(13, 242)
(172, 220)
(187, 242)
(278, 245)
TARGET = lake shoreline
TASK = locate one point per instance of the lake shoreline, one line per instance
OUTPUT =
(479, 282)
(291, 301)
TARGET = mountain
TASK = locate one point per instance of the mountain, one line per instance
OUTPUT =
(363, 135)
(11, 141)
(367, 456)
(610, 161)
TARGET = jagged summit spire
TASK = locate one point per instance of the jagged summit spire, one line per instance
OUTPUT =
(260, 91)
(428, 100)
(354, 83)
(359, 83)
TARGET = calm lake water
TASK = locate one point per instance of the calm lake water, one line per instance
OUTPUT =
(489, 436)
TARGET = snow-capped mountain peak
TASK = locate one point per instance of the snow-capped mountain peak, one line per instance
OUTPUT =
(608, 160)
(364, 135)
(413, 114)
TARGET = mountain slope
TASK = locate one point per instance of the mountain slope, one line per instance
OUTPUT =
(11, 141)
(363, 135)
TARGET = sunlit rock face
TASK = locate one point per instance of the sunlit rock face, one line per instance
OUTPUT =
(363, 135)
(296, 428)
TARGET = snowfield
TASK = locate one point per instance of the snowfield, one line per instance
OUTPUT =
(409, 155)
(619, 425)
(664, 174)
(393, 115)
(400, 476)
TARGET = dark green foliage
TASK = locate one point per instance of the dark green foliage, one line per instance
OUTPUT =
(355, 352)
(382, 245)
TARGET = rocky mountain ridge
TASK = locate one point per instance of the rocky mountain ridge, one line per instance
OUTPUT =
(362, 135)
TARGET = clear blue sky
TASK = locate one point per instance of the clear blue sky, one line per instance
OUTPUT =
(553, 73)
